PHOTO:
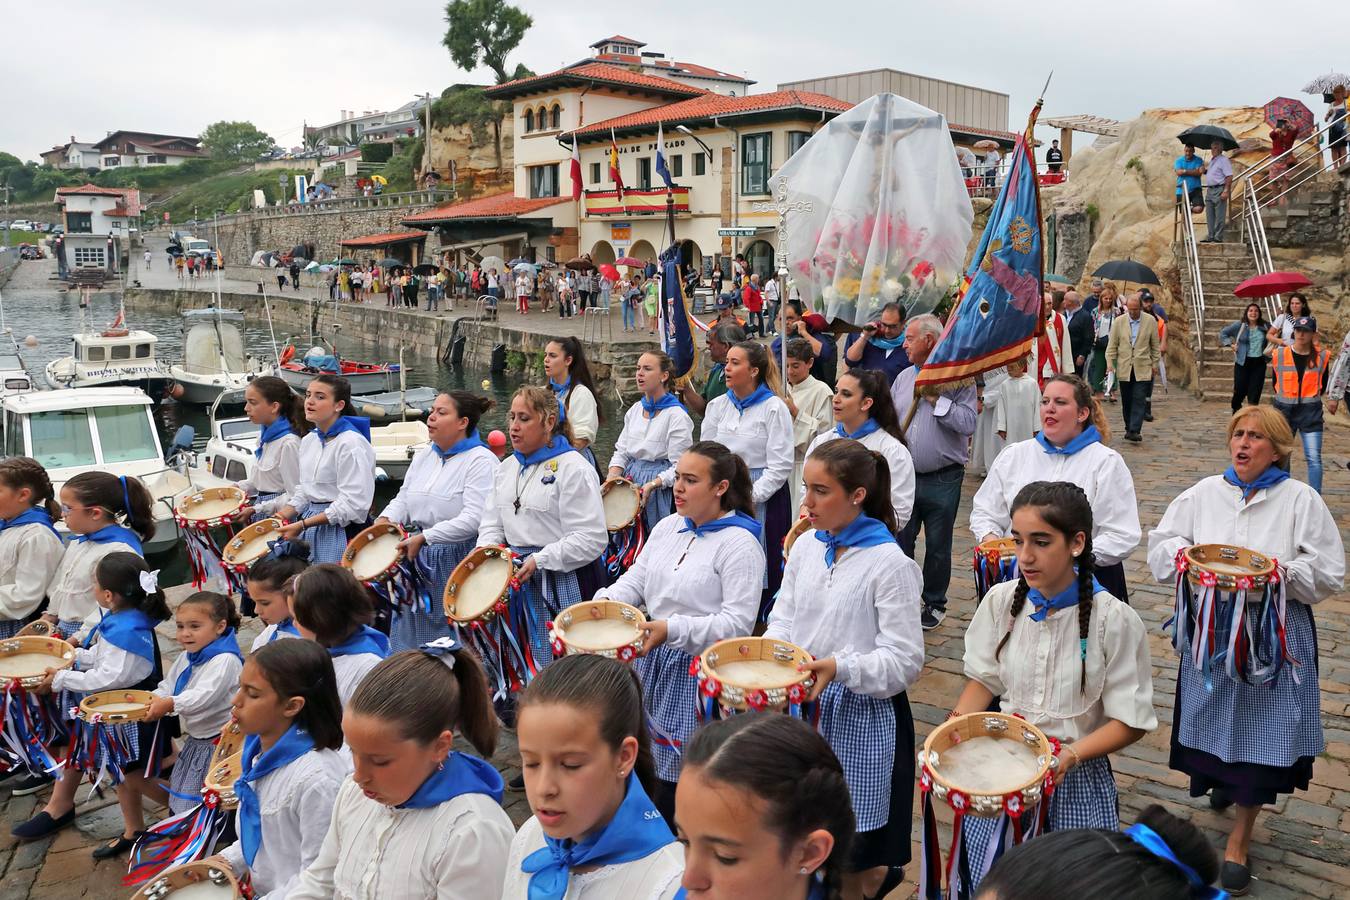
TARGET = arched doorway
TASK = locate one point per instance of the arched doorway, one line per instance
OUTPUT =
(602, 252)
(691, 257)
(759, 259)
(642, 250)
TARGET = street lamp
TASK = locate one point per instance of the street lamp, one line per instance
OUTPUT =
(684, 129)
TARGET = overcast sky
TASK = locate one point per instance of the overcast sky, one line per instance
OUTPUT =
(96, 67)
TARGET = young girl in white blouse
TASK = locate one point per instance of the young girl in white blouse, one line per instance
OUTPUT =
(656, 430)
(698, 576)
(336, 485)
(851, 598)
(417, 818)
(586, 758)
(106, 514)
(30, 548)
(331, 607)
(441, 503)
(755, 424)
(120, 652)
(270, 404)
(864, 411)
(545, 505)
(270, 583)
(1064, 654)
(287, 705)
(569, 377)
(197, 689)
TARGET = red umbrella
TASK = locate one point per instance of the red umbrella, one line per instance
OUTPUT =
(629, 261)
(1299, 117)
(609, 272)
(1270, 284)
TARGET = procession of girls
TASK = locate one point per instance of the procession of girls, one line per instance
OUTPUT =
(615, 763)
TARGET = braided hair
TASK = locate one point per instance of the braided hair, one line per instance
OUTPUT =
(1065, 508)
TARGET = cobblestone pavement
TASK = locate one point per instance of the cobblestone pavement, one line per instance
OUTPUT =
(1301, 846)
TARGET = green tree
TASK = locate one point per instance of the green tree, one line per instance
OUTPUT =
(236, 141)
(484, 32)
(9, 161)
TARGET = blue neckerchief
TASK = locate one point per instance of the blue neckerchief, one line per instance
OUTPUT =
(1087, 437)
(737, 519)
(863, 531)
(113, 534)
(653, 407)
(1153, 842)
(467, 442)
(863, 431)
(557, 447)
(757, 396)
(34, 515)
(359, 424)
(558, 391)
(294, 744)
(365, 640)
(129, 629)
(1267, 479)
(278, 429)
(285, 626)
(636, 831)
(226, 643)
(1063, 600)
(888, 343)
(459, 774)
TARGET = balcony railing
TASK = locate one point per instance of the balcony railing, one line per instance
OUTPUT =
(635, 202)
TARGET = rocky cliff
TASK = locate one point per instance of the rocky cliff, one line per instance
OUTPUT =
(474, 156)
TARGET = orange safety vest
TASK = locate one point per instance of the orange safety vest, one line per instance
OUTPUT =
(1288, 388)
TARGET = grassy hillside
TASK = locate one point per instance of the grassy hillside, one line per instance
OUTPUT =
(228, 192)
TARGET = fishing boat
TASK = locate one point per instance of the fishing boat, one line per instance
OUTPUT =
(105, 429)
(413, 403)
(365, 378)
(215, 363)
(14, 377)
(230, 449)
(114, 357)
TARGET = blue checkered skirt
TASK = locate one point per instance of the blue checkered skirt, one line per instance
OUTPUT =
(545, 595)
(189, 773)
(326, 542)
(10, 627)
(413, 626)
(65, 628)
(670, 695)
(661, 502)
(861, 731)
(264, 498)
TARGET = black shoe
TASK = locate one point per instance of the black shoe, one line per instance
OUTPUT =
(894, 875)
(1219, 799)
(516, 784)
(1235, 878)
(1133, 436)
(931, 618)
(1148, 417)
(117, 847)
(30, 784)
(41, 825)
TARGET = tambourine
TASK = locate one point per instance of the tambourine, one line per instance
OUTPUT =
(1227, 567)
(374, 554)
(220, 779)
(799, 528)
(250, 544)
(622, 500)
(986, 763)
(115, 707)
(26, 659)
(479, 585)
(754, 673)
(230, 743)
(601, 627)
(37, 628)
(194, 881)
(209, 507)
(995, 562)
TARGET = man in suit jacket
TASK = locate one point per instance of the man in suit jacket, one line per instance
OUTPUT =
(1132, 354)
(1080, 330)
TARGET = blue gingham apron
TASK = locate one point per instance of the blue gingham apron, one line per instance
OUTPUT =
(661, 502)
(10, 627)
(189, 773)
(546, 594)
(326, 542)
(413, 626)
(263, 498)
(861, 731)
(670, 695)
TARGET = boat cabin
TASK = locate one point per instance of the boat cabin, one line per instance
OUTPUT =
(14, 379)
(115, 346)
(69, 431)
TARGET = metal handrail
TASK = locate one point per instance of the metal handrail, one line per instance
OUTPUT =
(1192, 277)
(1254, 233)
(1252, 175)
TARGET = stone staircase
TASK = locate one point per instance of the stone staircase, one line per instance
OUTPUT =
(1222, 268)
(1309, 216)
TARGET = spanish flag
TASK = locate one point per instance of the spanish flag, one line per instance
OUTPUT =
(614, 174)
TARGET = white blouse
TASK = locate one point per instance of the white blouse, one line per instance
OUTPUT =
(341, 472)
(297, 805)
(103, 667)
(203, 707)
(864, 612)
(71, 592)
(445, 499)
(275, 473)
(706, 588)
(898, 461)
(350, 669)
(454, 851)
(265, 637)
(815, 413)
(655, 876)
(582, 413)
(1037, 674)
(1097, 469)
(666, 436)
(1289, 522)
(29, 558)
(565, 516)
(762, 436)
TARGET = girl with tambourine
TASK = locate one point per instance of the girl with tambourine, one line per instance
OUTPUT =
(270, 404)
(30, 548)
(699, 576)
(337, 473)
(1060, 651)
(1248, 743)
(656, 430)
(1071, 447)
(441, 501)
(851, 599)
(545, 505)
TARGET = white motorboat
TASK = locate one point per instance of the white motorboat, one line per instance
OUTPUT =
(14, 378)
(114, 357)
(107, 430)
(215, 363)
(230, 449)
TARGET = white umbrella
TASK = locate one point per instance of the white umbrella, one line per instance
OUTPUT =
(1325, 84)
(493, 262)
(312, 266)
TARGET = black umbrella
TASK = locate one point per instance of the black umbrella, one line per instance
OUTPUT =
(1204, 136)
(390, 263)
(1127, 270)
(581, 263)
(426, 269)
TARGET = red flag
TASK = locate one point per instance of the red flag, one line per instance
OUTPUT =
(614, 174)
(576, 170)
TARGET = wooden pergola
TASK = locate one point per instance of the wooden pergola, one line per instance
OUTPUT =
(1067, 125)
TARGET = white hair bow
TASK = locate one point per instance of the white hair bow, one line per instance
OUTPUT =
(150, 581)
(444, 649)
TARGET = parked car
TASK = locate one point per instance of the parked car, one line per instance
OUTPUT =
(30, 251)
(21, 225)
(58, 229)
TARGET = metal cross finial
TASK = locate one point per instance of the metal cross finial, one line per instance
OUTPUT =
(782, 206)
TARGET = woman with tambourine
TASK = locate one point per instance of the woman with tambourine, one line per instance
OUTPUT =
(441, 501)
(1071, 447)
(1247, 743)
(851, 599)
(699, 576)
(656, 430)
